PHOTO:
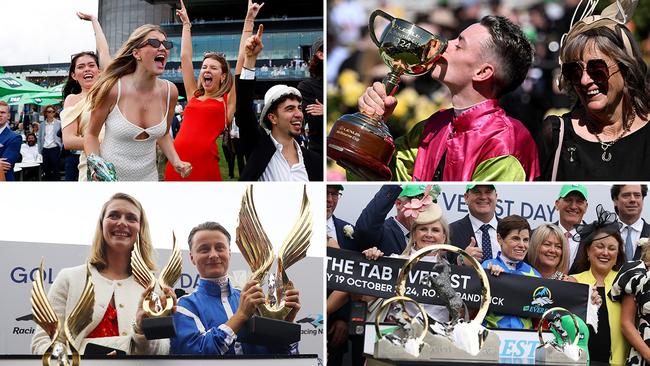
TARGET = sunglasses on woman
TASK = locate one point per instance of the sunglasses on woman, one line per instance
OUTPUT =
(597, 69)
(156, 43)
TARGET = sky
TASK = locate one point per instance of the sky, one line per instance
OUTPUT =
(67, 213)
(44, 31)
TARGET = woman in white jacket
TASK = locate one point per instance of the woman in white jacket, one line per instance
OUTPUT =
(117, 312)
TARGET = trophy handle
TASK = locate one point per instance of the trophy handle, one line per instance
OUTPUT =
(400, 285)
(371, 23)
(558, 309)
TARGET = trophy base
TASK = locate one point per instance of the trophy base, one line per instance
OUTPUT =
(269, 332)
(437, 347)
(549, 355)
(158, 327)
(385, 349)
(357, 143)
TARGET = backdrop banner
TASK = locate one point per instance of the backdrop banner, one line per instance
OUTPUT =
(511, 294)
(20, 260)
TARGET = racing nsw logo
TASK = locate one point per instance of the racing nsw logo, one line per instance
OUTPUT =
(316, 323)
(541, 298)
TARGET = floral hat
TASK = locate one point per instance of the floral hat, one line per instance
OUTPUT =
(424, 210)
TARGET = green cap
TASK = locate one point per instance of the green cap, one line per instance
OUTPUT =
(471, 186)
(568, 188)
(338, 187)
(412, 190)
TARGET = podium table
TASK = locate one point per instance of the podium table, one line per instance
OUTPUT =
(174, 360)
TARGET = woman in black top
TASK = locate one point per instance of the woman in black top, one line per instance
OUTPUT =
(605, 136)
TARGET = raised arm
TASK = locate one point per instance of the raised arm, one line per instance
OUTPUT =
(249, 25)
(103, 52)
(189, 82)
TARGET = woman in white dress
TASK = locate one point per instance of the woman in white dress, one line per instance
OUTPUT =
(136, 108)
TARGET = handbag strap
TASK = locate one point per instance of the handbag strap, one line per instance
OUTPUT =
(556, 160)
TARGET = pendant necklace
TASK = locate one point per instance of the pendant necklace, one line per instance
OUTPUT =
(607, 156)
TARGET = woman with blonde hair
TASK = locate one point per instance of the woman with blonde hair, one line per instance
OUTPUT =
(548, 252)
(136, 108)
(84, 71)
(428, 227)
(117, 311)
(211, 105)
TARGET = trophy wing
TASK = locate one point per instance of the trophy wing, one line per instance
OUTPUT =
(295, 245)
(141, 271)
(251, 239)
(82, 313)
(42, 311)
(172, 271)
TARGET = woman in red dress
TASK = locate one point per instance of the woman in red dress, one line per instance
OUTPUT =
(211, 105)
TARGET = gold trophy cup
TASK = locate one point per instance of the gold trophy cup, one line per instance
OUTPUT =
(269, 327)
(362, 143)
(160, 321)
(43, 314)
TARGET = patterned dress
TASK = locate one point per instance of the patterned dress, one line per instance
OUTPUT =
(634, 279)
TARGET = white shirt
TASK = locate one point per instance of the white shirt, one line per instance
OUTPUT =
(478, 234)
(573, 245)
(2, 129)
(636, 228)
(278, 168)
(331, 229)
(30, 153)
(48, 139)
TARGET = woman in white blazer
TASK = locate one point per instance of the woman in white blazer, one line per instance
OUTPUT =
(117, 313)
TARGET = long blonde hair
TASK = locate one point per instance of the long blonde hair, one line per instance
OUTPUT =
(124, 63)
(98, 250)
(229, 80)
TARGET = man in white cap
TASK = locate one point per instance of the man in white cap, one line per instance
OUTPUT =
(274, 156)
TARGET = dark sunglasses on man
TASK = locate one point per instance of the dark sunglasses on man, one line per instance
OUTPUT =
(156, 43)
(597, 69)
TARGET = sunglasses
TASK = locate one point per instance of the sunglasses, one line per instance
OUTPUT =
(50, 111)
(597, 69)
(156, 43)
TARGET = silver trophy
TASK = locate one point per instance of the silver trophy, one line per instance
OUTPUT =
(423, 337)
(562, 350)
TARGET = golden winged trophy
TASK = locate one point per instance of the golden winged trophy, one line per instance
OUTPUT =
(159, 322)
(63, 346)
(269, 326)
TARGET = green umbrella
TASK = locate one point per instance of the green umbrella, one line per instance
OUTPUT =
(57, 88)
(33, 98)
(11, 85)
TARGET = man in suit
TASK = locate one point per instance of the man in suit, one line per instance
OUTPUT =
(571, 204)
(390, 235)
(628, 204)
(340, 230)
(274, 156)
(50, 144)
(477, 231)
(9, 144)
